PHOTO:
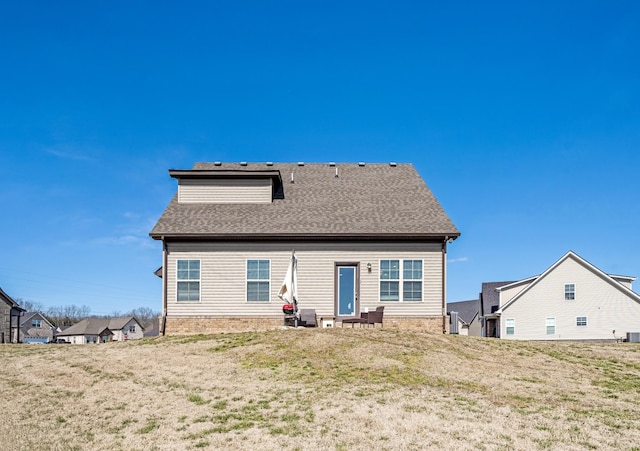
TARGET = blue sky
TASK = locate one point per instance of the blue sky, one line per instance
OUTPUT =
(522, 117)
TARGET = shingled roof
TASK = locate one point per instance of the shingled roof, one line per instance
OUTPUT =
(467, 310)
(364, 200)
(489, 297)
(9, 300)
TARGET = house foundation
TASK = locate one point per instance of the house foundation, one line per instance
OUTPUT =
(212, 325)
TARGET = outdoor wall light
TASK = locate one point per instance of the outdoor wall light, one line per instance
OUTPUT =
(369, 267)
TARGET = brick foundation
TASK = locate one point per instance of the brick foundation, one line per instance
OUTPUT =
(212, 325)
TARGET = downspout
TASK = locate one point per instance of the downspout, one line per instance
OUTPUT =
(163, 323)
(444, 285)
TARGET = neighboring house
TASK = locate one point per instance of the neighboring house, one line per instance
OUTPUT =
(364, 235)
(572, 300)
(464, 317)
(35, 328)
(89, 330)
(489, 304)
(101, 330)
(125, 328)
(10, 313)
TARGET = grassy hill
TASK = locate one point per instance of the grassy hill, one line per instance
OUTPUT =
(333, 389)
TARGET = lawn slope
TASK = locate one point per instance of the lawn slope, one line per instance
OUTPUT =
(333, 389)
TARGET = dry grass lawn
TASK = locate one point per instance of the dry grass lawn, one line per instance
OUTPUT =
(323, 389)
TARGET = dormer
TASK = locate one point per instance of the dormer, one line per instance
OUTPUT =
(206, 186)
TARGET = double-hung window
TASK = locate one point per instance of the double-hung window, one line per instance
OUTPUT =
(397, 284)
(510, 326)
(569, 291)
(581, 320)
(412, 280)
(258, 280)
(188, 280)
(550, 323)
(36, 323)
(390, 280)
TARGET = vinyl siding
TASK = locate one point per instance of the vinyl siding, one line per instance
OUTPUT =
(607, 307)
(223, 271)
(118, 334)
(257, 191)
(509, 293)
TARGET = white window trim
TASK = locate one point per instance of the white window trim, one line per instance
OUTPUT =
(586, 321)
(247, 280)
(189, 280)
(400, 280)
(565, 292)
(555, 327)
(506, 327)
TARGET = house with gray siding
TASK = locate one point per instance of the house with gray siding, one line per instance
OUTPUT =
(35, 328)
(571, 300)
(10, 313)
(364, 235)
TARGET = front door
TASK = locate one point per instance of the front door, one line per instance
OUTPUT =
(346, 290)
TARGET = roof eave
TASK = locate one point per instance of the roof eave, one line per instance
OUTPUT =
(306, 236)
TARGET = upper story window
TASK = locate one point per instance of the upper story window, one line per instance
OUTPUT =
(132, 328)
(188, 280)
(36, 323)
(569, 291)
(396, 285)
(258, 280)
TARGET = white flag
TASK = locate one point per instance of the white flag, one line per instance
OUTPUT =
(289, 289)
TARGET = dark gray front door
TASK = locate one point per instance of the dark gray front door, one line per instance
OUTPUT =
(347, 290)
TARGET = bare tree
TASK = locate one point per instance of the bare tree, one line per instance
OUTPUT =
(145, 315)
(29, 305)
(67, 315)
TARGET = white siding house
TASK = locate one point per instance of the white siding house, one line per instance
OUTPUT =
(363, 235)
(572, 300)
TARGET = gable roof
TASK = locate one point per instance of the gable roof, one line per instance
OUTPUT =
(572, 255)
(120, 322)
(95, 326)
(6, 298)
(28, 316)
(489, 297)
(372, 200)
(467, 310)
(88, 326)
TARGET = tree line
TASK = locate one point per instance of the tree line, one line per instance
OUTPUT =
(68, 315)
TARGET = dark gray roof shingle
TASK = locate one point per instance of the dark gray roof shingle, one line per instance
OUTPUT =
(467, 310)
(490, 298)
(369, 200)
